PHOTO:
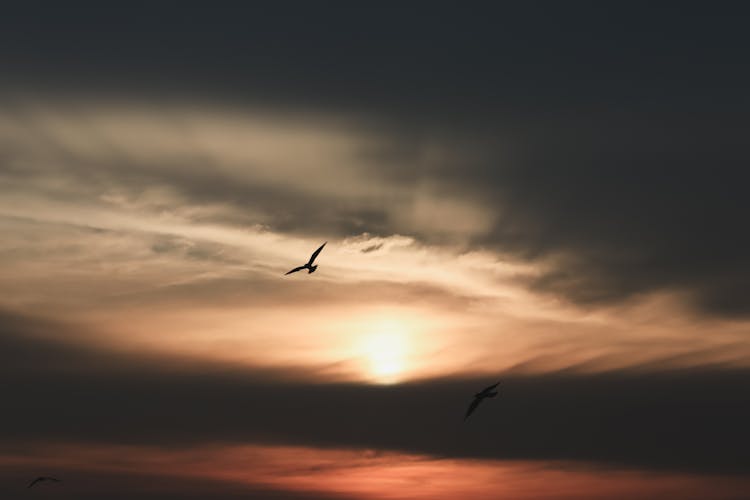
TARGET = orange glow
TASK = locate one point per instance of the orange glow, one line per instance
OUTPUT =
(369, 474)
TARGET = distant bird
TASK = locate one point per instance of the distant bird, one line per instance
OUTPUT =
(487, 392)
(43, 478)
(309, 266)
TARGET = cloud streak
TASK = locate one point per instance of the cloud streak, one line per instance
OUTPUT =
(297, 472)
(626, 418)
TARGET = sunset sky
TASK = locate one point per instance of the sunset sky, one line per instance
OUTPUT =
(549, 194)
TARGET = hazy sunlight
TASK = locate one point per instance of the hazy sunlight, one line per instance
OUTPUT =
(385, 348)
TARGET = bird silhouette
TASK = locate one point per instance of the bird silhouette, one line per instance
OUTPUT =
(42, 479)
(487, 392)
(309, 266)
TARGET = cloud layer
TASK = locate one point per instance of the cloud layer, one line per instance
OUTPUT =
(551, 194)
(686, 420)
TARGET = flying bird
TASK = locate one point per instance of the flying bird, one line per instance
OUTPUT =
(309, 266)
(42, 479)
(488, 392)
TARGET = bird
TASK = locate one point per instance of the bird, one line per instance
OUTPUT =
(43, 478)
(487, 392)
(309, 266)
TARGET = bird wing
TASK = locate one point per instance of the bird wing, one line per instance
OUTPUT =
(472, 407)
(34, 482)
(315, 254)
(300, 268)
(53, 479)
(487, 390)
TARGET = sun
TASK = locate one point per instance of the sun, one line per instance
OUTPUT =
(384, 348)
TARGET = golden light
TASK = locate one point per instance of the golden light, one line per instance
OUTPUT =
(385, 347)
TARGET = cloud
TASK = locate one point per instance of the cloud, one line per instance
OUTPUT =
(387, 57)
(686, 419)
(279, 471)
(633, 207)
(537, 180)
(612, 204)
(293, 173)
(609, 205)
(372, 248)
(90, 482)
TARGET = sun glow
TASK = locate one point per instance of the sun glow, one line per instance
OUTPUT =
(385, 349)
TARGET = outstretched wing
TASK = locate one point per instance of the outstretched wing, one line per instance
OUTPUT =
(315, 254)
(32, 483)
(300, 268)
(489, 389)
(472, 407)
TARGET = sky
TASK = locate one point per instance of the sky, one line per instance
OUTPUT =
(550, 195)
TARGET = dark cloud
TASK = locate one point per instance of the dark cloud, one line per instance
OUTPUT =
(689, 419)
(634, 207)
(372, 248)
(87, 483)
(609, 140)
(532, 54)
